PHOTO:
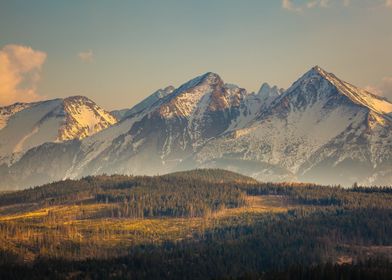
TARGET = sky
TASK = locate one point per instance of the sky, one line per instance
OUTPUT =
(119, 52)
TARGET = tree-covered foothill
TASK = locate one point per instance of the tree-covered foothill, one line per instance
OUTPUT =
(328, 232)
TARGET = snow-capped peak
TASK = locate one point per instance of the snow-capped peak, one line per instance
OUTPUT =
(267, 94)
(30, 125)
(315, 71)
(184, 100)
(83, 118)
(208, 78)
(356, 95)
(211, 78)
(144, 104)
(266, 91)
(312, 131)
(167, 90)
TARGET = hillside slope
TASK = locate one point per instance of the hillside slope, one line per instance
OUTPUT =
(25, 126)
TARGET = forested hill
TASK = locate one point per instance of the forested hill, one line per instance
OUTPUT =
(212, 175)
(179, 188)
(200, 224)
(221, 187)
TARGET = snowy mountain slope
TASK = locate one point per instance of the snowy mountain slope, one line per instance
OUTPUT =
(28, 128)
(211, 107)
(83, 118)
(144, 104)
(168, 131)
(310, 116)
(94, 148)
(254, 104)
(56, 120)
(8, 111)
(361, 153)
(42, 164)
(360, 96)
(321, 129)
(161, 135)
(74, 157)
(70, 159)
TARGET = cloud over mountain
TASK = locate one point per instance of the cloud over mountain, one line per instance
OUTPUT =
(86, 56)
(299, 6)
(20, 72)
(384, 88)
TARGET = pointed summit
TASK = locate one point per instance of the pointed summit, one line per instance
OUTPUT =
(169, 89)
(56, 120)
(318, 82)
(75, 98)
(208, 78)
(267, 94)
(83, 117)
(211, 78)
(264, 89)
(316, 71)
(144, 104)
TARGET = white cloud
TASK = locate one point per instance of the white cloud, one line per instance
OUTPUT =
(312, 4)
(20, 72)
(299, 6)
(384, 88)
(291, 6)
(87, 56)
(374, 90)
(288, 5)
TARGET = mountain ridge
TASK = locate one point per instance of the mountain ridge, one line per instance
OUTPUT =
(321, 129)
(29, 125)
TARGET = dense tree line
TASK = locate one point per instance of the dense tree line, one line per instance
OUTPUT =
(194, 193)
(326, 222)
(311, 194)
(141, 268)
(177, 195)
(299, 238)
(279, 245)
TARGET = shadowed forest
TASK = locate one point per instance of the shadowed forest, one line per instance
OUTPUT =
(201, 224)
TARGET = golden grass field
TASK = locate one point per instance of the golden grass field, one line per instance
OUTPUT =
(77, 230)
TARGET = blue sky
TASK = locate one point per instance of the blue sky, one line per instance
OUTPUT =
(118, 52)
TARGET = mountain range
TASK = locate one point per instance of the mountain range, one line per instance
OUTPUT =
(321, 129)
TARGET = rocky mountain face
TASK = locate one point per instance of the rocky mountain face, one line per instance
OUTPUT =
(83, 118)
(29, 125)
(167, 133)
(145, 103)
(321, 129)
